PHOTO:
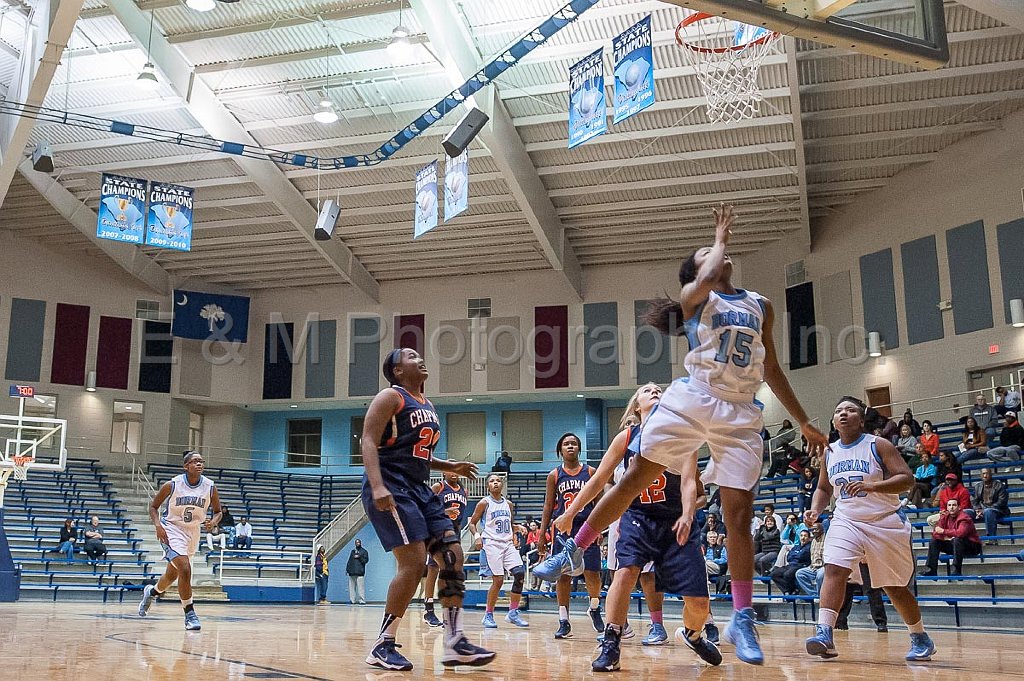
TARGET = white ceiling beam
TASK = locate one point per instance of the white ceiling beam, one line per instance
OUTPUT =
(393, 162)
(905, 159)
(305, 55)
(685, 215)
(912, 77)
(887, 135)
(933, 103)
(49, 28)
(951, 38)
(580, 211)
(279, 220)
(129, 258)
(793, 80)
(625, 187)
(361, 189)
(117, 141)
(220, 123)
(845, 186)
(450, 36)
(1010, 12)
(643, 160)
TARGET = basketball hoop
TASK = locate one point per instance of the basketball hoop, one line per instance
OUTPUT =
(21, 466)
(726, 63)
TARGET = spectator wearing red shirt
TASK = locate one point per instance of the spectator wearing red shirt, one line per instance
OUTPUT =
(954, 534)
(929, 438)
(954, 490)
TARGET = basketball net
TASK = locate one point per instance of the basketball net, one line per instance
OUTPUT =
(21, 466)
(726, 61)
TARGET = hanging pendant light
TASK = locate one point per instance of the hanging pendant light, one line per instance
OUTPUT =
(147, 79)
(399, 47)
(326, 113)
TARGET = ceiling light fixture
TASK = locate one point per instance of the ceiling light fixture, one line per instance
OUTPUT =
(200, 5)
(399, 47)
(326, 113)
(147, 78)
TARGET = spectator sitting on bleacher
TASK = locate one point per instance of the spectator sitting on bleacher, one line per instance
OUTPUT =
(94, 547)
(68, 537)
(713, 525)
(955, 534)
(906, 443)
(810, 578)
(757, 522)
(984, 415)
(808, 483)
(952, 489)
(929, 438)
(974, 442)
(891, 431)
(1011, 440)
(909, 420)
(218, 534)
(503, 464)
(992, 501)
(1011, 400)
(945, 465)
(243, 535)
(798, 557)
(227, 523)
(792, 529)
(767, 544)
(715, 555)
(925, 478)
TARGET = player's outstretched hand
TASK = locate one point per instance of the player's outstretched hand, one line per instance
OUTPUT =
(723, 222)
(682, 529)
(563, 523)
(207, 526)
(383, 500)
(466, 469)
(810, 518)
(817, 443)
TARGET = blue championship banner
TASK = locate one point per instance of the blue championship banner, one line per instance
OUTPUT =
(588, 115)
(122, 209)
(456, 185)
(634, 70)
(426, 200)
(170, 216)
(215, 316)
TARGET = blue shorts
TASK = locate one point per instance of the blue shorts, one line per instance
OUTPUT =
(418, 516)
(591, 556)
(680, 569)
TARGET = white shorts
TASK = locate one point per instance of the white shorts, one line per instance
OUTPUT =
(884, 545)
(500, 557)
(180, 542)
(613, 560)
(691, 414)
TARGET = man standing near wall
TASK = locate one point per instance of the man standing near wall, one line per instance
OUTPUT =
(356, 569)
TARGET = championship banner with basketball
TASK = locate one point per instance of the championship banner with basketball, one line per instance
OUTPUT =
(122, 211)
(634, 70)
(170, 216)
(456, 185)
(426, 200)
(588, 114)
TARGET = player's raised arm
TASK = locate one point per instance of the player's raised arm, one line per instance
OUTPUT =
(710, 272)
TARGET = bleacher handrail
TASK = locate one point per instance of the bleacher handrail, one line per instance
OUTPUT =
(776, 440)
(958, 409)
(335, 531)
(235, 559)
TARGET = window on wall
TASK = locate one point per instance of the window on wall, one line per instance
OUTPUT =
(195, 431)
(478, 307)
(522, 434)
(147, 309)
(356, 455)
(126, 427)
(467, 436)
(304, 437)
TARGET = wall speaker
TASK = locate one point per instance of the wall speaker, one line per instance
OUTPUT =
(326, 221)
(42, 158)
(463, 133)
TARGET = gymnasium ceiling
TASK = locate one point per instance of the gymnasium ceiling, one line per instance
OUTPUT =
(835, 124)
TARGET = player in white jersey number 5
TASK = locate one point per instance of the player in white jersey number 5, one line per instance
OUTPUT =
(188, 496)
(865, 474)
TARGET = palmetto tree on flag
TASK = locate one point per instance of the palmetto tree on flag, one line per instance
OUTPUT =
(213, 314)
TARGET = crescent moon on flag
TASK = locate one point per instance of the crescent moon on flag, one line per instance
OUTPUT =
(184, 299)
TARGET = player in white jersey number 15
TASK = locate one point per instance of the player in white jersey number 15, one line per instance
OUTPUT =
(188, 497)
(865, 474)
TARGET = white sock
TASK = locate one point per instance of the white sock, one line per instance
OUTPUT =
(595, 603)
(916, 628)
(710, 619)
(827, 618)
(452, 622)
(563, 612)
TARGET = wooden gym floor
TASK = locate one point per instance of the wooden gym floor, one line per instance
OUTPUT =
(65, 641)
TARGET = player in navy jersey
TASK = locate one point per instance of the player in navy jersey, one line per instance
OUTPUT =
(646, 534)
(454, 499)
(731, 353)
(563, 484)
(400, 432)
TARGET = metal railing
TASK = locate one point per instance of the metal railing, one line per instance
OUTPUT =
(939, 407)
(790, 436)
(333, 536)
(235, 561)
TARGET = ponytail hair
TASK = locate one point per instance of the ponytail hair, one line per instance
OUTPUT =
(665, 314)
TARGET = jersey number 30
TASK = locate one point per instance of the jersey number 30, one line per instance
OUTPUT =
(741, 345)
(428, 439)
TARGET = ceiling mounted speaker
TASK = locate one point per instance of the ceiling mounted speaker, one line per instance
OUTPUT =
(462, 134)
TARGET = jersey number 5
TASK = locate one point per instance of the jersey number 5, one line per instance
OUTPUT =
(425, 446)
(741, 356)
(187, 515)
(655, 492)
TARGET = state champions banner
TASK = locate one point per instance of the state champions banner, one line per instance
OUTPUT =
(169, 221)
(122, 212)
(634, 70)
(588, 113)
(426, 200)
(456, 185)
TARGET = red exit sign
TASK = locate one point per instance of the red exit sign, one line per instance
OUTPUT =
(993, 349)
(23, 391)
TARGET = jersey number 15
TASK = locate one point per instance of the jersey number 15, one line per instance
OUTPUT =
(741, 346)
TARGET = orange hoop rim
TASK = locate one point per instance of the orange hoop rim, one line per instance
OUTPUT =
(704, 16)
(22, 460)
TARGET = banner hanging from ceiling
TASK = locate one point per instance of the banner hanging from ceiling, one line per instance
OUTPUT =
(426, 200)
(634, 70)
(588, 114)
(456, 185)
(122, 211)
(169, 223)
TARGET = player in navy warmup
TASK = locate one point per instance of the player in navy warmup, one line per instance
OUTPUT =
(454, 499)
(400, 432)
(563, 484)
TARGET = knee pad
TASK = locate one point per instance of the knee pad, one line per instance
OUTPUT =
(438, 543)
(454, 584)
(517, 582)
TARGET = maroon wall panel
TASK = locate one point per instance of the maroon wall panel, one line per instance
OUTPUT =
(409, 331)
(70, 340)
(551, 346)
(114, 352)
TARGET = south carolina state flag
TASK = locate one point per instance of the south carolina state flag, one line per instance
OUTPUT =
(210, 315)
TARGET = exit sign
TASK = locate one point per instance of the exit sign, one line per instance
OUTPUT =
(993, 349)
(22, 391)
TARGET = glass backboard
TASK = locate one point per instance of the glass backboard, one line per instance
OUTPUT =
(908, 31)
